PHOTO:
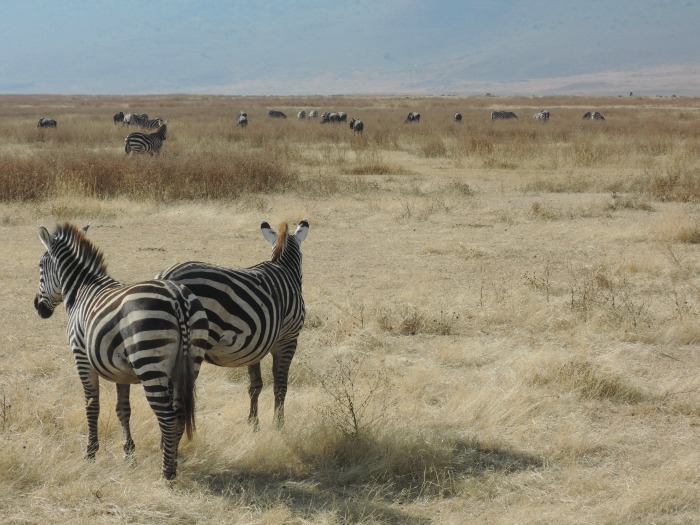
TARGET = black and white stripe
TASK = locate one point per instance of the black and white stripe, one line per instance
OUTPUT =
(357, 125)
(135, 119)
(542, 116)
(242, 119)
(458, 117)
(153, 333)
(46, 123)
(593, 115)
(146, 142)
(503, 115)
(253, 312)
(413, 116)
(273, 113)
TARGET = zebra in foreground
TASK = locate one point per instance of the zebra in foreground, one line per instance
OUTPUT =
(242, 119)
(593, 115)
(46, 123)
(253, 311)
(153, 332)
(503, 115)
(413, 116)
(458, 117)
(542, 116)
(146, 142)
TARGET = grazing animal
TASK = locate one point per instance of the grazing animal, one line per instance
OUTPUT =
(273, 113)
(146, 142)
(503, 115)
(542, 116)
(242, 119)
(330, 117)
(153, 332)
(301, 115)
(342, 116)
(357, 125)
(413, 116)
(135, 119)
(593, 115)
(458, 117)
(118, 117)
(313, 114)
(253, 312)
(46, 123)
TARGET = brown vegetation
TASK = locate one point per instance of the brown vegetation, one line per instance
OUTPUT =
(503, 317)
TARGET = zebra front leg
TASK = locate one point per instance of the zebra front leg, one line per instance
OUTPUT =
(124, 415)
(254, 388)
(91, 388)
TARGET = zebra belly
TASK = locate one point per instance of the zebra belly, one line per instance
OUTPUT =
(231, 356)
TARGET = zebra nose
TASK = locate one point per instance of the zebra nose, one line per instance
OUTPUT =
(42, 309)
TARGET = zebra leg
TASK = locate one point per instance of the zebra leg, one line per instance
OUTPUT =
(91, 388)
(124, 415)
(172, 426)
(254, 389)
(281, 361)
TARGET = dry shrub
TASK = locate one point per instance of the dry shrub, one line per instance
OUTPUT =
(413, 321)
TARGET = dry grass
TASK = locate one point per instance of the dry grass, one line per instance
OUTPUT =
(503, 318)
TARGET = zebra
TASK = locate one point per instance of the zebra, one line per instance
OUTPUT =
(593, 115)
(503, 115)
(413, 116)
(273, 113)
(253, 311)
(357, 125)
(46, 123)
(458, 117)
(242, 119)
(342, 116)
(313, 114)
(118, 117)
(135, 119)
(151, 123)
(330, 117)
(152, 332)
(542, 115)
(146, 142)
(301, 115)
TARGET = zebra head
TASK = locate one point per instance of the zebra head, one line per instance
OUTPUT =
(50, 293)
(286, 248)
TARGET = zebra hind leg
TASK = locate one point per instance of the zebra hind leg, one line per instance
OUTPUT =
(281, 361)
(254, 389)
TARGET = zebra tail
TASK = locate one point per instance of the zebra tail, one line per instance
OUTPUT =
(185, 370)
(127, 149)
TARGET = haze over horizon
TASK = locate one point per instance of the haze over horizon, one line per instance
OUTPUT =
(305, 47)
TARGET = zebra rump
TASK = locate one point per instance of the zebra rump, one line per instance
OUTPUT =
(146, 142)
(118, 117)
(273, 113)
(413, 116)
(458, 117)
(357, 125)
(503, 115)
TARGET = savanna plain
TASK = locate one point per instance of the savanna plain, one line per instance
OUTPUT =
(503, 318)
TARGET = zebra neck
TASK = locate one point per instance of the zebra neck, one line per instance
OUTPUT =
(85, 286)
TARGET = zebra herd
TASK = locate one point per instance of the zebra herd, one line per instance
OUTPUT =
(157, 332)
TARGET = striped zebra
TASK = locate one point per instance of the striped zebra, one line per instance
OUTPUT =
(242, 119)
(357, 125)
(273, 113)
(146, 142)
(313, 114)
(542, 116)
(503, 115)
(301, 115)
(413, 116)
(153, 333)
(253, 311)
(118, 117)
(153, 123)
(135, 119)
(458, 117)
(46, 123)
(593, 115)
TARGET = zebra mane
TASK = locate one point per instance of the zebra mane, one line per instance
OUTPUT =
(281, 242)
(90, 256)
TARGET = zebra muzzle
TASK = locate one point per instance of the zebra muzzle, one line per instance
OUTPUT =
(42, 308)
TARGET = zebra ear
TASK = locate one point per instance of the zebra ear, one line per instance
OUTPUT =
(45, 238)
(302, 231)
(268, 233)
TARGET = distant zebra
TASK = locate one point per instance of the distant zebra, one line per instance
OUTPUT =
(273, 113)
(342, 116)
(542, 116)
(357, 125)
(458, 117)
(253, 311)
(503, 115)
(301, 115)
(313, 114)
(146, 143)
(153, 332)
(330, 117)
(118, 117)
(593, 115)
(413, 116)
(154, 123)
(46, 123)
(135, 119)
(242, 119)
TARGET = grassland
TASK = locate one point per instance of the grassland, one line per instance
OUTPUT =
(503, 317)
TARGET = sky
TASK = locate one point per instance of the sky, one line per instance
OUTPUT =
(305, 47)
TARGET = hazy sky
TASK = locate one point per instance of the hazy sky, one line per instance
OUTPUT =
(321, 47)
